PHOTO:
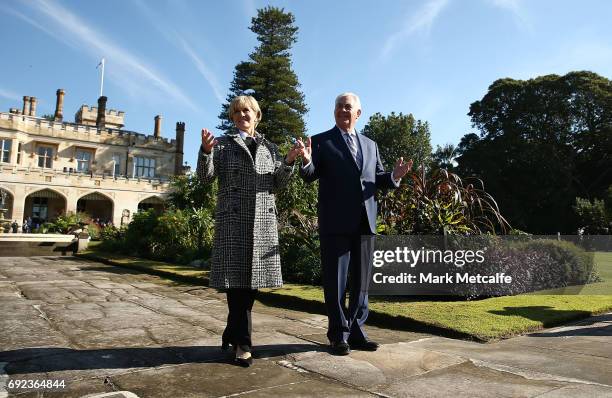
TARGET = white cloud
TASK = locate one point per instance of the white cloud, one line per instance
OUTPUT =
(420, 21)
(174, 37)
(132, 73)
(32, 22)
(203, 69)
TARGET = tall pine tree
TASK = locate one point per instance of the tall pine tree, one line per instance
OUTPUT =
(268, 77)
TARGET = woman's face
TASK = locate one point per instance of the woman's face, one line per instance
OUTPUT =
(244, 119)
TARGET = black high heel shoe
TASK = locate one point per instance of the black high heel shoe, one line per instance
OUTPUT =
(244, 362)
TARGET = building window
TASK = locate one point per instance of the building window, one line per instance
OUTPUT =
(19, 153)
(6, 151)
(116, 164)
(144, 167)
(83, 159)
(39, 209)
(45, 157)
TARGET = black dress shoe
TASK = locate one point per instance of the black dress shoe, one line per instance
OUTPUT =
(364, 345)
(340, 348)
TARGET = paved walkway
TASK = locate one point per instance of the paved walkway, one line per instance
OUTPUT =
(104, 330)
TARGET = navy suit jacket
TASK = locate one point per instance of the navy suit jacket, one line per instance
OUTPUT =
(344, 189)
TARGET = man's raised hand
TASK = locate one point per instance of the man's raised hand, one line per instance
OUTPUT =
(401, 168)
(208, 141)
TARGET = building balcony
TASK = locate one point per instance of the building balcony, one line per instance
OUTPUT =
(65, 177)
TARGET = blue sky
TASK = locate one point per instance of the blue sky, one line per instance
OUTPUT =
(431, 58)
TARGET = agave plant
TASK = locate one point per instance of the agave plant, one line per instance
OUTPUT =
(438, 203)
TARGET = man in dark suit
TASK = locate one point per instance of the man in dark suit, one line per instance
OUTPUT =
(349, 171)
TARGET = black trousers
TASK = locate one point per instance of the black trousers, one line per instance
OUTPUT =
(347, 258)
(239, 328)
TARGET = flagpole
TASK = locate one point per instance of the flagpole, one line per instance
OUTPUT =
(102, 77)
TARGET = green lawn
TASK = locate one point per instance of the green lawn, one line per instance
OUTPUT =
(485, 320)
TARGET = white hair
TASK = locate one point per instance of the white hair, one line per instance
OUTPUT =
(348, 94)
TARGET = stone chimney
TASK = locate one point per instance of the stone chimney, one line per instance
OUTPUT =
(33, 106)
(157, 131)
(26, 105)
(101, 119)
(180, 138)
(59, 105)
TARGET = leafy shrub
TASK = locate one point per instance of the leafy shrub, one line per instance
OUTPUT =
(570, 265)
(298, 230)
(299, 249)
(65, 223)
(535, 264)
(182, 235)
(113, 238)
(438, 203)
(175, 235)
(139, 234)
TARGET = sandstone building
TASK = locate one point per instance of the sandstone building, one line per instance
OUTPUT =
(50, 167)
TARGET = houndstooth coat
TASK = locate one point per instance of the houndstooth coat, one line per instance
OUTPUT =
(245, 249)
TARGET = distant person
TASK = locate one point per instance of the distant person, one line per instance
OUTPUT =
(245, 257)
(14, 226)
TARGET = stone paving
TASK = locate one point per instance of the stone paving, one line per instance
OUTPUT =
(110, 332)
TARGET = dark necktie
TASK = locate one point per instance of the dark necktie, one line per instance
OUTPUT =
(252, 145)
(350, 141)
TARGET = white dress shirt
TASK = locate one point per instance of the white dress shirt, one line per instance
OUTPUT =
(244, 135)
(395, 182)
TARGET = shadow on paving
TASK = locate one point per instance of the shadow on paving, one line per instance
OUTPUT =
(545, 314)
(39, 360)
(111, 270)
(63, 259)
(581, 329)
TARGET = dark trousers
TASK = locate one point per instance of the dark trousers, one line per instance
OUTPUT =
(239, 328)
(347, 258)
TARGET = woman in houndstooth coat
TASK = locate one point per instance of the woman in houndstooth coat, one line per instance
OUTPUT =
(245, 255)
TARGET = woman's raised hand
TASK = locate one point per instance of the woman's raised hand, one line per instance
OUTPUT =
(306, 150)
(208, 141)
(294, 152)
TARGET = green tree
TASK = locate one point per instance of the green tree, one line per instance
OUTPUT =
(444, 157)
(399, 135)
(543, 142)
(298, 230)
(269, 77)
(592, 216)
(188, 193)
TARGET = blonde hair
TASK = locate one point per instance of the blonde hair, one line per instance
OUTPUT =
(242, 101)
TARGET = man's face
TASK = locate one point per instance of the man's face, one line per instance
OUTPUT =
(347, 113)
